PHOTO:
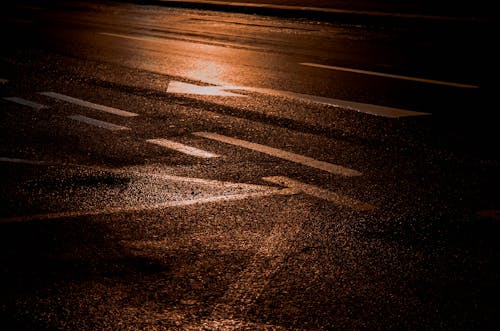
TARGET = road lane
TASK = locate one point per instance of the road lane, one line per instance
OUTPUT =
(222, 51)
(191, 243)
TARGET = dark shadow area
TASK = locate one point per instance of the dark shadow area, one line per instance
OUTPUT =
(459, 280)
(77, 274)
(40, 257)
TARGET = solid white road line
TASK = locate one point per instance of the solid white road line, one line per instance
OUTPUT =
(335, 198)
(100, 124)
(301, 159)
(381, 74)
(87, 104)
(25, 102)
(145, 208)
(182, 148)
(366, 108)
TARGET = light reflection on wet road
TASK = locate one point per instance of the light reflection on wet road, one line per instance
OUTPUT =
(246, 191)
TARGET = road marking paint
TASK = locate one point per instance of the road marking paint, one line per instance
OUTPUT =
(232, 324)
(366, 108)
(87, 104)
(3, 81)
(334, 197)
(100, 124)
(143, 208)
(25, 102)
(185, 88)
(289, 156)
(242, 294)
(381, 74)
(182, 148)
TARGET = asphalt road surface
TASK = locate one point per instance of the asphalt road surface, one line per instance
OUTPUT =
(181, 169)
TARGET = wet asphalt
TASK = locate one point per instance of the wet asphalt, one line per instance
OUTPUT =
(102, 230)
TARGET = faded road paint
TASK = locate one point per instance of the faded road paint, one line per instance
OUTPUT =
(25, 102)
(333, 197)
(100, 124)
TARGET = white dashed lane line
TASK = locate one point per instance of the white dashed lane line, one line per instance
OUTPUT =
(87, 104)
(25, 102)
(100, 124)
(182, 148)
(289, 156)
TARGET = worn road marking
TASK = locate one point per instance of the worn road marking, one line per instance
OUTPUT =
(152, 207)
(185, 88)
(25, 102)
(87, 104)
(334, 197)
(242, 294)
(100, 124)
(380, 74)
(182, 148)
(289, 156)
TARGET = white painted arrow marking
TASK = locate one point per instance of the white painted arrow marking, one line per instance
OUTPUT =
(185, 88)
(333, 197)
(147, 191)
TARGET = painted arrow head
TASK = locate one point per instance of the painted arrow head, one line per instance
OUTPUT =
(186, 88)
